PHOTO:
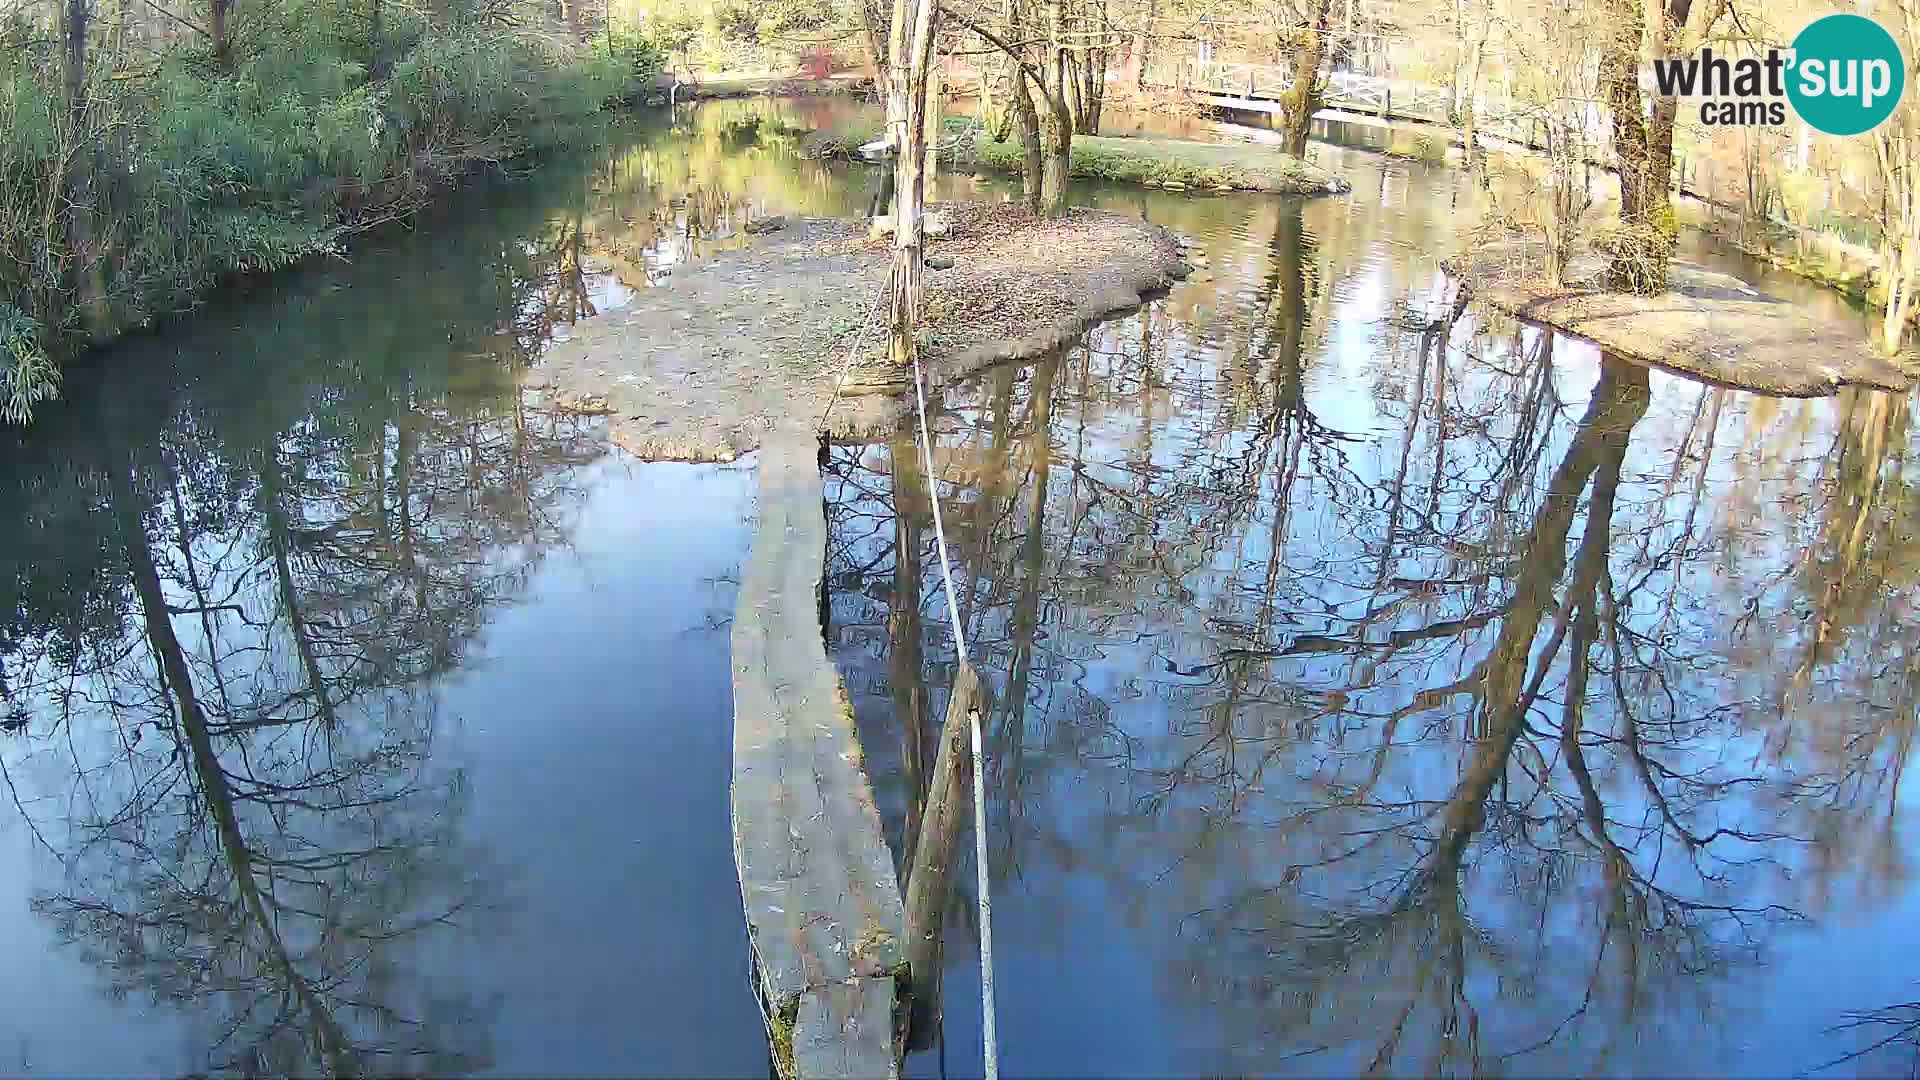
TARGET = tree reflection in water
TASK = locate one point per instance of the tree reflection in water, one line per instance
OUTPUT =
(251, 551)
(1488, 723)
(235, 749)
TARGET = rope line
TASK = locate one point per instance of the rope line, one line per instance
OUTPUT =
(846, 366)
(990, 1043)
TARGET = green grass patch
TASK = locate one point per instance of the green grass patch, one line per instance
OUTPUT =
(1168, 163)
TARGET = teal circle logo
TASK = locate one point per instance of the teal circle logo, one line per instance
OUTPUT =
(1847, 74)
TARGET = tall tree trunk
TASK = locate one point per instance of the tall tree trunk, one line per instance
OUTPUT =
(1026, 126)
(935, 88)
(874, 42)
(1469, 112)
(1076, 103)
(1056, 124)
(1642, 138)
(1896, 147)
(1057, 144)
(1143, 45)
(912, 48)
(117, 41)
(217, 15)
(1302, 98)
(377, 39)
(1096, 93)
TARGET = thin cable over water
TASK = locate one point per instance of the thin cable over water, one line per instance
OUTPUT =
(990, 1042)
(846, 366)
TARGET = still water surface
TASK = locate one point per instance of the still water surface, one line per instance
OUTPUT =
(1375, 686)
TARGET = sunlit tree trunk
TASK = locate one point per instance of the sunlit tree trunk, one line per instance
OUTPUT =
(1026, 127)
(935, 88)
(1143, 45)
(1897, 154)
(1056, 140)
(1302, 98)
(912, 48)
(1643, 136)
(1050, 116)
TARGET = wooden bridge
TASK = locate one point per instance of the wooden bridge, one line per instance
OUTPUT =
(1371, 100)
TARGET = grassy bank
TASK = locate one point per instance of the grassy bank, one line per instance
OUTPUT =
(1167, 163)
(1846, 266)
(196, 167)
(1176, 164)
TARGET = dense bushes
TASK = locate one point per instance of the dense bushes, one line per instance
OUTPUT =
(170, 178)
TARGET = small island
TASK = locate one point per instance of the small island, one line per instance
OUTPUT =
(1174, 164)
(775, 333)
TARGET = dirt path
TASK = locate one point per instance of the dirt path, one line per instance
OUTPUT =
(702, 368)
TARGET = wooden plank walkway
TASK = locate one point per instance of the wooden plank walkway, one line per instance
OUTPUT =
(823, 906)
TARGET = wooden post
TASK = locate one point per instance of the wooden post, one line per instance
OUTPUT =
(929, 875)
(1386, 104)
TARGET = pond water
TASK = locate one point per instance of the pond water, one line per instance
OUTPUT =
(1375, 685)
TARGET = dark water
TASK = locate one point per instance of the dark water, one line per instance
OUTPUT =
(1374, 687)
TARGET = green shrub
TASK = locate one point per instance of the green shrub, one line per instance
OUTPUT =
(26, 375)
(195, 173)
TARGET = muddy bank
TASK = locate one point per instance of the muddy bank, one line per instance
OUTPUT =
(703, 367)
(1707, 324)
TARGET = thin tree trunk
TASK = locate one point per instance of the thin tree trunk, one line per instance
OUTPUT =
(1096, 96)
(88, 274)
(1057, 142)
(1026, 126)
(936, 86)
(1076, 102)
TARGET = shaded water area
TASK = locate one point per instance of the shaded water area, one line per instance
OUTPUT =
(1374, 685)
